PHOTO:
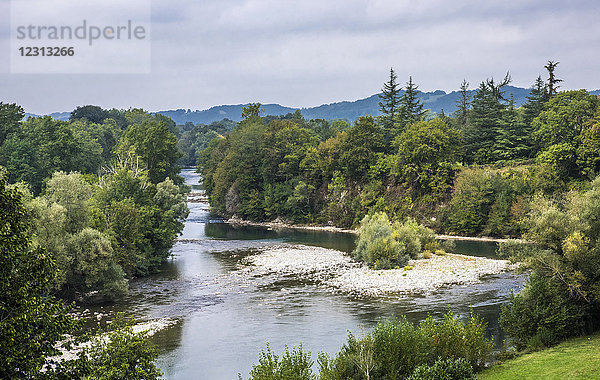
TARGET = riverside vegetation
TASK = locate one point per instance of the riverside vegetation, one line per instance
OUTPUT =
(488, 169)
(90, 203)
(85, 206)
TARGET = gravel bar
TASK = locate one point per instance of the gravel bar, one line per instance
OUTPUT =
(338, 271)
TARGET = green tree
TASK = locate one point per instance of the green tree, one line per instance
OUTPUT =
(427, 150)
(389, 105)
(295, 364)
(156, 145)
(31, 320)
(86, 266)
(93, 114)
(118, 353)
(51, 145)
(564, 118)
(10, 116)
(513, 137)
(538, 96)
(562, 295)
(252, 111)
(588, 153)
(486, 120)
(553, 81)
(463, 104)
(360, 147)
(411, 107)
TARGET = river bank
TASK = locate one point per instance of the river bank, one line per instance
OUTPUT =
(338, 271)
(278, 225)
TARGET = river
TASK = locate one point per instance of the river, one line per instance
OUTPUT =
(223, 321)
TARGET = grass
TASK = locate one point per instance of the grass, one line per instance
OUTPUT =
(577, 358)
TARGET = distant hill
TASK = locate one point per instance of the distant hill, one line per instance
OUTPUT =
(55, 115)
(436, 101)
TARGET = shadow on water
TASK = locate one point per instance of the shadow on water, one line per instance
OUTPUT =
(341, 241)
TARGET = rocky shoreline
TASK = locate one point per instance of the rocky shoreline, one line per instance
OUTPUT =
(280, 225)
(338, 271)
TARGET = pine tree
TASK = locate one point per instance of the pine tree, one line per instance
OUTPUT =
(411, 107)
(512, 139)
(553, 81)
(390, 101)
(536, 99)
(463, 104)
(486, 121)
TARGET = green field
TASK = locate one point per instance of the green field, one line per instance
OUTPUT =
(577, 358)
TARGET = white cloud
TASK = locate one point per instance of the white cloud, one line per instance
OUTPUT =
(304, 53)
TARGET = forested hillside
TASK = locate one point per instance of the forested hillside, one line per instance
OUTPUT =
(473, 172)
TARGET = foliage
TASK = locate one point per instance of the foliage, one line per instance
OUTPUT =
(382, 245)
(43, 146)
(397, 348)
(564, 118)
(487, 201)
(191, 142)
(118, 353)
(10, 115)
(411, 108)
(427, 151)
(389, 106)
(485, 121)
(562, 296)
(142, 219)
(462, 105)
(360, 147)
(153, 141)
(31, 320)
(295, 364)
(376, 246)
(542, 314)
(588, 153)
(448, 369)
(538, 96)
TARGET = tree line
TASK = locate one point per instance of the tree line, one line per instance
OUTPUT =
(86, 205)
(473, 172)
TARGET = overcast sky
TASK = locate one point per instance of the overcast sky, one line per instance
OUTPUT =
(309, 52)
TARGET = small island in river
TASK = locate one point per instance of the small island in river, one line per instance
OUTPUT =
(337, 270)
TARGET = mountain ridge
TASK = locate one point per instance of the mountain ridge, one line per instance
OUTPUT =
(436, 101)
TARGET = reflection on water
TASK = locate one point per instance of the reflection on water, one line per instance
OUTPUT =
(225, 320)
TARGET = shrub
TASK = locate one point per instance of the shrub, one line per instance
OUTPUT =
(447, 369)
(383, 246)
(117, 353)
(542, 314)
(398, 347)
(376, 246)
(294, 365)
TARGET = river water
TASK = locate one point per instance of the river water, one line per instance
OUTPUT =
(223, 320)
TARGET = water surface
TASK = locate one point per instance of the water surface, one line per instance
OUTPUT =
(225, 320)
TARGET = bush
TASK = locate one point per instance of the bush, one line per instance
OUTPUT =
(542, 314)
(384, 246)
(294, 365)
(376, 246)
(398, 347)
(117, 353)
(448, 369)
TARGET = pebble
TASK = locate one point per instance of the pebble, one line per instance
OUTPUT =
(337, 270)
